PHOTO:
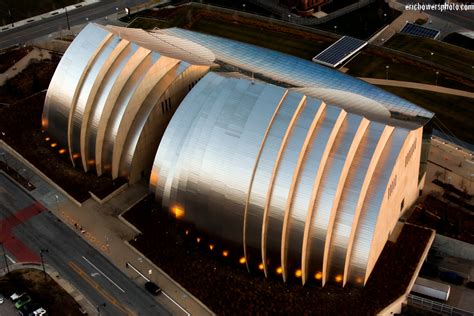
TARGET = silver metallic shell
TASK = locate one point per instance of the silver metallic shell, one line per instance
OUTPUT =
(351, 94)
(279, 172)
(298, 176)
(105, 103)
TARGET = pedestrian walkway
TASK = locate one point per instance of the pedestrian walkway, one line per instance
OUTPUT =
(101, 227)
(35, 54)
(419, 86)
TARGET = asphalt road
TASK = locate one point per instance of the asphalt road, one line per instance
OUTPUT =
(58, 22)
(75, 260)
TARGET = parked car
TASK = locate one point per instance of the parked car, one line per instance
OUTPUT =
(429, 270)
(22, 301)
(29, 308)
(451, 277)
(14, 297)
(40, 312)
(152, 288)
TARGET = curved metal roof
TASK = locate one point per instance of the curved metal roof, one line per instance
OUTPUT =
(299, 183)
(294, 172)
(103, 102)
(344, 91)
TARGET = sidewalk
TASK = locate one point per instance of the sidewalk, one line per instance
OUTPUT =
(36, 53)
(100, 226)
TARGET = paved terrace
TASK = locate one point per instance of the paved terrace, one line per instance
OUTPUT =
(451, 164)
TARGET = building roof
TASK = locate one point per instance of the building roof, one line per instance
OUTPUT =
(282, 173)
(344, 91)
(294, 165)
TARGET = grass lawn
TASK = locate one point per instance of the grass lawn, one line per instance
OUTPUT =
(362, 23)
(367, 65)
(149, 23)
(163, 18)
(279, 41)
(457, 113)
(451, 56)
(460, 40)
(306, 44)
(274, 36)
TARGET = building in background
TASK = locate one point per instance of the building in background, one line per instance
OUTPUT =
(304, 6)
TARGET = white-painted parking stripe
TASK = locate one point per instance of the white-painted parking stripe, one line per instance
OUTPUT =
(98, 270)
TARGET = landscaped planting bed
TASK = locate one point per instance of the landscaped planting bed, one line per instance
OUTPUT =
(20, 127)
(448, 218)
(225, 286)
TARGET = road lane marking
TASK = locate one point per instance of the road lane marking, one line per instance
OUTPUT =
(129, 265)
(97, 287)
(172, 300)
(10, 258)
(98, 270)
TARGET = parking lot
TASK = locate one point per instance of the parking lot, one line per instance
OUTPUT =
(7, 308)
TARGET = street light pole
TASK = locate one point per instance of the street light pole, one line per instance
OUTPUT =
(436, 81)
(57, 202)
(22, 173)
(11, 18)
(2, 154)
(42, 261)
(386, 71)
(98, 308)
(5, 257)
(67, 19)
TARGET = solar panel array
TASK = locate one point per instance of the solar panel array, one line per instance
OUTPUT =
(418, 30)
(339, 51)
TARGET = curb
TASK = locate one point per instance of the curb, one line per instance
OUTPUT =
(123, 220)
(171, 280)
(13, 152)
(393, 306)
(119, 190)
(86, 307)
